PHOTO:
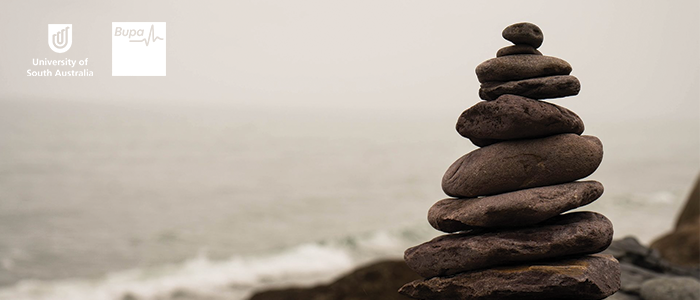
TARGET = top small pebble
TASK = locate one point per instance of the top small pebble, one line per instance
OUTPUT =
(524, 33)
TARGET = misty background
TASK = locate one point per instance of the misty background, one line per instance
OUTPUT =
(291, 141)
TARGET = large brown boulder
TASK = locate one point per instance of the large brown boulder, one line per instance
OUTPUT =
(514, 165)
(587, 278)
(569, 234)
(682, 245)
(691, 209)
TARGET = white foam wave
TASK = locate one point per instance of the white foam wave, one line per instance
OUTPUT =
(234, 278)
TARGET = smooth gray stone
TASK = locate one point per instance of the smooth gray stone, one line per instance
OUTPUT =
(633, 277)
(671, 288)
(585, 278)
(521, 66)
(515, 209)
(623, 296)
(514, 165)
(534, 88)
(569, 234)
(629, 250)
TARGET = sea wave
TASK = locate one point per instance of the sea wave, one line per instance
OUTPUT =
(235, 278)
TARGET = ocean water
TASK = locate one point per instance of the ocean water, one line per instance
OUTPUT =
(117, 201)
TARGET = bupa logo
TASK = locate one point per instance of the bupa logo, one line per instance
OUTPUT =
(138, 48)
(136, 34)
(60, 37)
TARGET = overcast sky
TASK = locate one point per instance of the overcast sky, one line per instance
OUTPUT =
(635, 59)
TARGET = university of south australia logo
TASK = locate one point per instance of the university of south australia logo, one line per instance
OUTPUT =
(60, 37)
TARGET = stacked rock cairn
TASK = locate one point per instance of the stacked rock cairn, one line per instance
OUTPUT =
(507, 237)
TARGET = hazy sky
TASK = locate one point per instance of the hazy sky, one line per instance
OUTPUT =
(635, 59)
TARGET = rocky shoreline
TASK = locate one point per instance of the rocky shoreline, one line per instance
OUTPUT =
(645, 275)
(667, 270)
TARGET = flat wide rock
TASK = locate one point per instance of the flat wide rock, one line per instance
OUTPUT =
(515, 209)
(521, 66)
(514, 165)
(590, 277)
(535, 88)
(515, 117)
(568, 234)
(524, 33)
(517, 49)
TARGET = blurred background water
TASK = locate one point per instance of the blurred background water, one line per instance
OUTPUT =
(166, 197)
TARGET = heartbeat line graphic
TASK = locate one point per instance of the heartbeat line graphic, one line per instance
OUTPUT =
(151, 37)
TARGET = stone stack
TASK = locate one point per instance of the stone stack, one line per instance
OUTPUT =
(507, 237)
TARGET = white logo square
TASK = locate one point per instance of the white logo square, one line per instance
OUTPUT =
(138, 48)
